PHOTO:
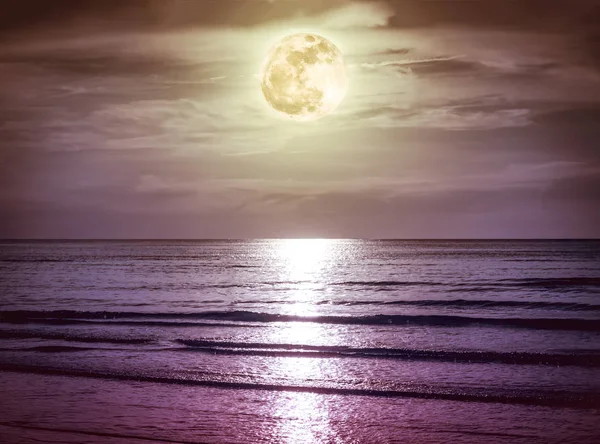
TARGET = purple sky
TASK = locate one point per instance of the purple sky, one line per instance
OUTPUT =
(145, 119)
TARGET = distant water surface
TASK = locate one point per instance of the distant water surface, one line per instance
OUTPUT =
(300, 341)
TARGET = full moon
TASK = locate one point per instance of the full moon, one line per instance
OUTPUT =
(304, 77)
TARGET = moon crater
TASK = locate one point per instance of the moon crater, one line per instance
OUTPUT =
(304, 77)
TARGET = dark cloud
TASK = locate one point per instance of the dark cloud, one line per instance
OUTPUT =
(151, 15)
(577, 21)
(581, 116)
(396, 51)
(527, 15)
(460, 66)
(591, 35)
(584, 189)
(443, 66)
(524, 14)
(388, 110)
(78, 63)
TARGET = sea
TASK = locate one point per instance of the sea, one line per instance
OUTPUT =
(300, 341)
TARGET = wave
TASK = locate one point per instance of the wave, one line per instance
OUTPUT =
(175, 319)
(553, 282)
(51, 349)
(451, 303)
(126, 322)
(575, 357)
(589, 359)
(385, 283)
(483, 304)
(565, 283)
(528, 282)
(561, 399)
(126, 437)
(178, 441)
(71, 337)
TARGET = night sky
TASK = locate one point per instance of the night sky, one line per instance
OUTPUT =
(145, 119)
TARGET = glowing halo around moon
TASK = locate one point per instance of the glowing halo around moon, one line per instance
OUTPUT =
(304, 77)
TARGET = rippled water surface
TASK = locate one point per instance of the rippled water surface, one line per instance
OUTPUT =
(300, 341)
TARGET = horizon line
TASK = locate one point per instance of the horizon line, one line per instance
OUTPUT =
(233, 239)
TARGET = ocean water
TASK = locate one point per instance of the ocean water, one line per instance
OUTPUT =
(300, 341)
